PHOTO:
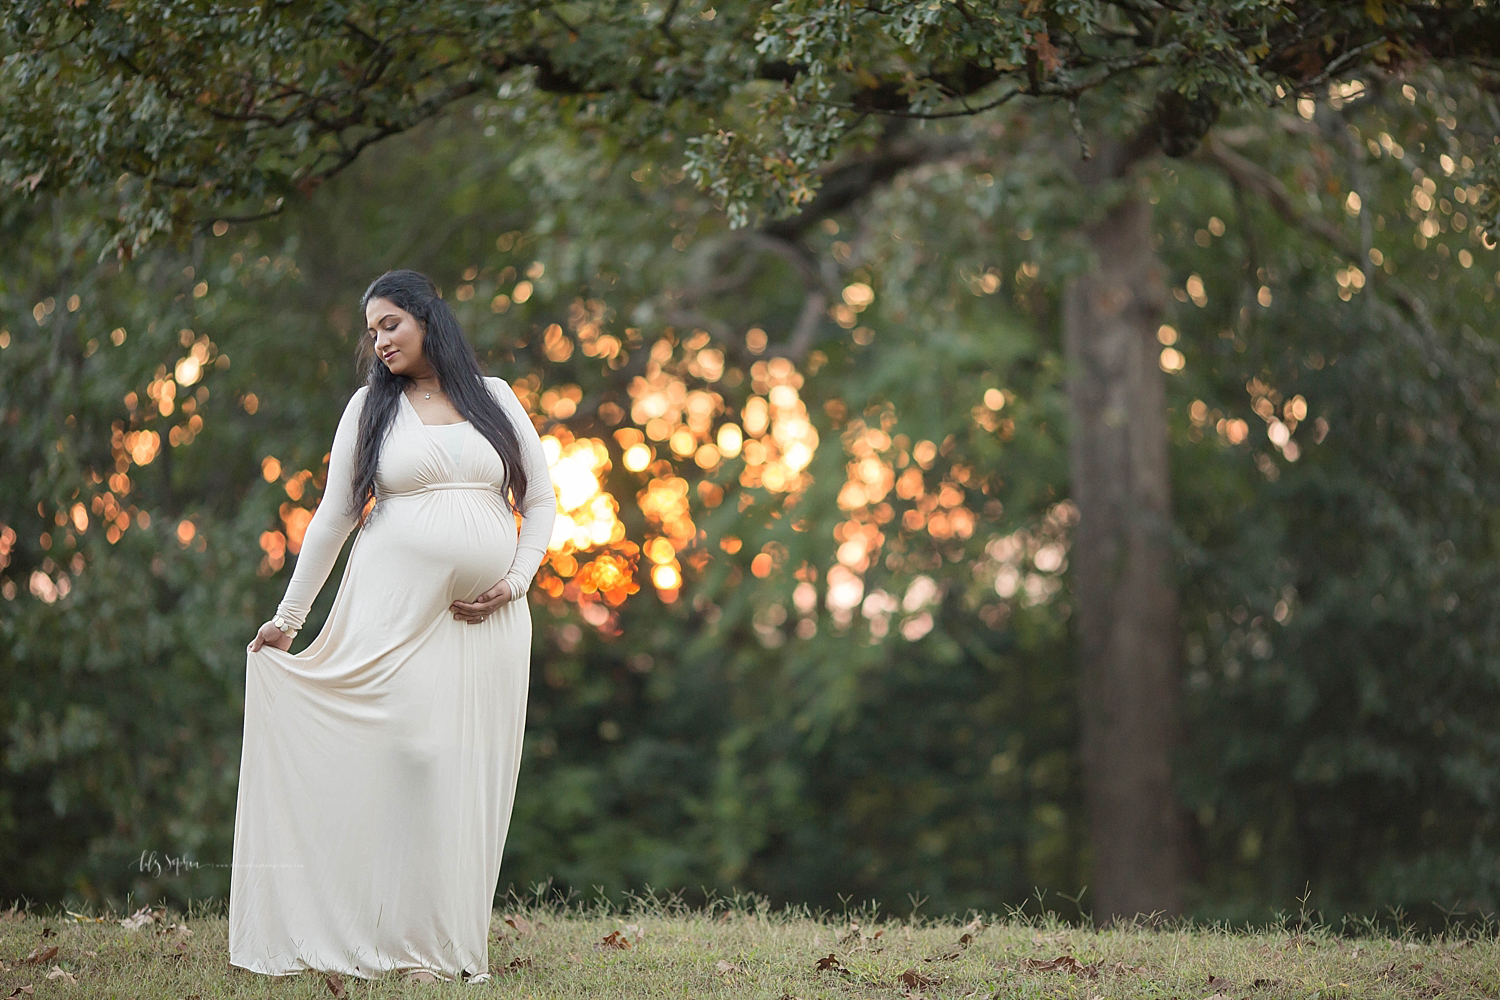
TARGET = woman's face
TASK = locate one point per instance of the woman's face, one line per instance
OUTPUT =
(396, 336)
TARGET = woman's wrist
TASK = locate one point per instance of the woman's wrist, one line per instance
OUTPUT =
(285, 626)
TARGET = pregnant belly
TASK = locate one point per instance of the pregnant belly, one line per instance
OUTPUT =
(463, 541)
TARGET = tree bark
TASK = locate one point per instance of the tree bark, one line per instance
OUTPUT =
(1125, 604)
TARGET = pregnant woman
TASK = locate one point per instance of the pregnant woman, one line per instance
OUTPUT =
(379, 763)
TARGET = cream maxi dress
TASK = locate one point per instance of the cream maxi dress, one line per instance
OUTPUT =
(379, 764)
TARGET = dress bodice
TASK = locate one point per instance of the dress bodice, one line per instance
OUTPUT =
(414, 456)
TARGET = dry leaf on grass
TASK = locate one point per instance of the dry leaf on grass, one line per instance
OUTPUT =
(40, 954)
(20, 991)
(1218, 983)
(1062, 963)
(145, 915)
(335, 985)
(58, 972)
(965, 939)
(1262, 984)
(726, 968)
(520, 925)
(1121, 969)
(79, 918)
(831, 963)
(914, 980)
(857, 933)
(614, 939)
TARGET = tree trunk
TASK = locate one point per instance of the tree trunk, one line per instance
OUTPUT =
(1125, 604)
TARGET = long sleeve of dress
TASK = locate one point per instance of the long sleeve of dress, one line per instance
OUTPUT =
(331, 522)
(539, 510)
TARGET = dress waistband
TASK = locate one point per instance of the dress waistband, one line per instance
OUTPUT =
(429, 487)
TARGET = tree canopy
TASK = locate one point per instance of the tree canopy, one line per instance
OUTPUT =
(193, 111)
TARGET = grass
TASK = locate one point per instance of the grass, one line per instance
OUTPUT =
(657, 949)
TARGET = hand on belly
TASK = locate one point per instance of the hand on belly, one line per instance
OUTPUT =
(475, 611)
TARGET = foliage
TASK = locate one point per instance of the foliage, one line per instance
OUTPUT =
(1342, 588)
(199, 111)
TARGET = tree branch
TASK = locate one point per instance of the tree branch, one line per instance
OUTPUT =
(1260, 181)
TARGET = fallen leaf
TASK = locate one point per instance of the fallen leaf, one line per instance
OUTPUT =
(1261, 984)
(914, 980)
(1120, 969)
(831, 963)
(1217, 982)
(614, 939)
(20, 991)
(520, 925)
(58, 972)
(40, 954)
(1217, 996)
(726, 967)
(48, 932)
(635, 932)
(516, 965)
(145, 915)
(335, 985)
(1063, 963)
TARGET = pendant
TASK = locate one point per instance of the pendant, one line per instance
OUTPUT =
(426, 395)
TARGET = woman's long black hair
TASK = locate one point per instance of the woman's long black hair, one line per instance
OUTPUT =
(452, 359)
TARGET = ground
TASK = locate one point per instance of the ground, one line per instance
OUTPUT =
(654, 949)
